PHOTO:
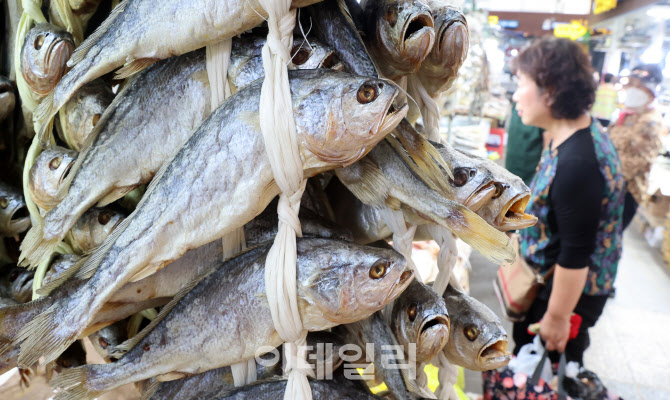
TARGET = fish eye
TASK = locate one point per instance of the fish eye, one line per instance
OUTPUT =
(39, 41)
(411, 312)
(104, 218)
(378, 270)
(66, 363)
(367, 93)
(4, 202)
(96, 118)
(500, 188)
(461, 176)
(55, 163)
(471, 332)
(103, 343)
(300, 55)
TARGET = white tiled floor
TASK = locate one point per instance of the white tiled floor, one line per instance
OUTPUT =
(630, 343)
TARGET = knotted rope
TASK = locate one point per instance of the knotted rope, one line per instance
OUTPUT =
(278, 127)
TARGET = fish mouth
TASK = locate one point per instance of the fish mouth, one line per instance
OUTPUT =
(416, 25)
(392, 118)
(20, 220)
(418, 37)
(436, 323)
(494, 354)
(66, 172)
(454, 40)
(513, 215)
(59, 52)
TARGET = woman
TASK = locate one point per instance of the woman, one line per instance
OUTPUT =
(577, 195)
(637, 135)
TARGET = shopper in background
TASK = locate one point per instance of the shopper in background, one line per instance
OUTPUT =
(606, 101)
(524, 147)
(637, 134)
(577, 195)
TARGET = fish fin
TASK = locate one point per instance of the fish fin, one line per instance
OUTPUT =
(133, 67)
(476, 232)
(121, 349)
(115, 194)
(150, 391)
(171, 376)
(74, 269)
(43, 119)
(423, 159)
(81, 51)
(74, 384)
(145, 272)
(369, 184)
(34, 248)
(39, 337)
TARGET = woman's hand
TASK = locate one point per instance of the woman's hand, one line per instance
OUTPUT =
(555, 330)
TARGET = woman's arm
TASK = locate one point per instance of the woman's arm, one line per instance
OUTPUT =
(565, 293)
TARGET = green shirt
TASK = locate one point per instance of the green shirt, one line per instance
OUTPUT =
(524, 148)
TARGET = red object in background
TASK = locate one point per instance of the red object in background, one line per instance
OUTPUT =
(496, 140)
(575, 324)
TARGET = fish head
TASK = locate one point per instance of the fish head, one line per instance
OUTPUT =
(420, 316)
(48, 174)
(339, 117)
(91, 230)
(14, 215)
(21, 284)
(109, 337)
(7, 98)
(495, 194)
(59, 265)
(312, 54)
(344, 282)
(403, 34)
(477, 340)
(44, 57)
(83, 111)
(440, 69)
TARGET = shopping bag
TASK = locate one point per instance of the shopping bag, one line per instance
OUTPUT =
(516, 285)
(506, 384)
(526, 362)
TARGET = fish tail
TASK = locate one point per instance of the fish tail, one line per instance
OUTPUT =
(476, 232)
(34, 248)
(47, 335)
(150, 391)
(74, 384)
(6, 337)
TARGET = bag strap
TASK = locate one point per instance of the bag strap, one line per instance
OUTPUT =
(538, 370)
(561, 373)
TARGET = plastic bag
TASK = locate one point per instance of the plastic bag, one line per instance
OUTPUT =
(529, 356)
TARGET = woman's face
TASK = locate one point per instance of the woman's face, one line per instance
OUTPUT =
(531, 104)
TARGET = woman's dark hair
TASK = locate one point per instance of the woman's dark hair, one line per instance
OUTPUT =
(562, 69)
